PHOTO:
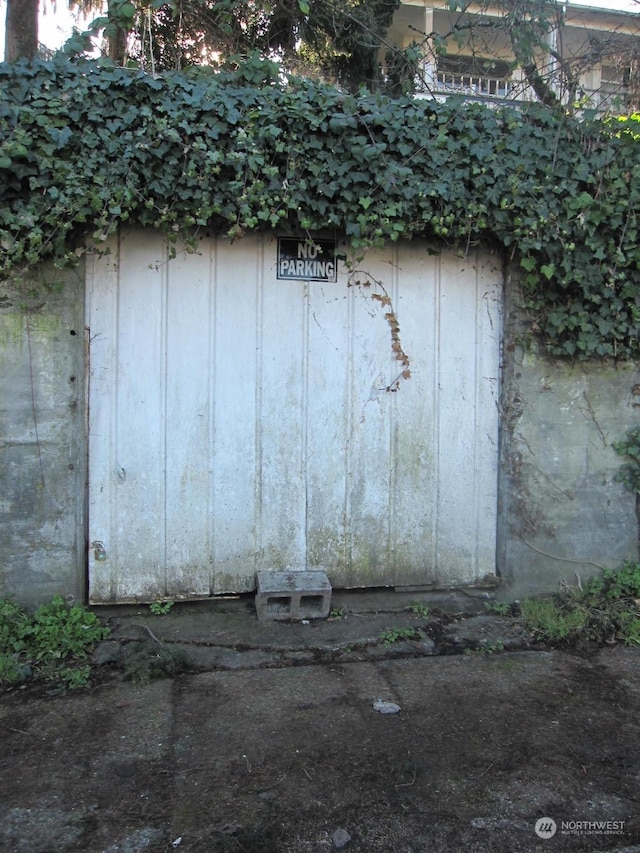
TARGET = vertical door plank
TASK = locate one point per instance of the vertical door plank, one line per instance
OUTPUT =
(139, 459)
(414, 492)
(372, 369)
(328, 426)
(235, 395)
(281, 418)
(102, 319)
(460, 471)
(188, 440)
(488, 338)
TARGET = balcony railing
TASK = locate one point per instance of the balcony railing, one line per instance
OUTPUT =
(611, 97)
(449, 83)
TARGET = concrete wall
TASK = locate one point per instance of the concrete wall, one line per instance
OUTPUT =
(562, 514)
(42, 438)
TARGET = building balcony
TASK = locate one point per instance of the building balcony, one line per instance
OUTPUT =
(450, 83)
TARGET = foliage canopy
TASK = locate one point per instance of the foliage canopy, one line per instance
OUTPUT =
(86, 147)
(340, 41)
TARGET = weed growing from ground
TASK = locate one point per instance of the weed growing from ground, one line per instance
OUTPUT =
(551, 620)
(51, 643)
(147, 661)
(419, 608)
(486, 648)
(629, 628)
(500, 608)
(160, 608)
(394, 635)
(615, 584)
(605, 609)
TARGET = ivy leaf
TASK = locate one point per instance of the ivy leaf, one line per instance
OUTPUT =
(583, 201)
(528, 263)
(548, 270)
(124, 11)
(60, 135)
(304, 7)
(78, 43)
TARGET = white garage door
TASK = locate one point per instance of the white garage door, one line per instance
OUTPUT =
(240, 422)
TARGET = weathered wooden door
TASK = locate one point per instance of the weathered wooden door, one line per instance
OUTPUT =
(240, 422)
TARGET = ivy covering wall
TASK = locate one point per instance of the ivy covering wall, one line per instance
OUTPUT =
(85, 147)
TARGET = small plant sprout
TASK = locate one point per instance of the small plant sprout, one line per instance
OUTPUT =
(500, 608)
(486, 648)
(419, 608)
(160, 608)
(394, 635)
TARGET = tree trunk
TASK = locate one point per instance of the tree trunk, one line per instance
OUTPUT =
(118, 46)
(21, 35)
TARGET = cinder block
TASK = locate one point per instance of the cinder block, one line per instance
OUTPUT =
(293, 595)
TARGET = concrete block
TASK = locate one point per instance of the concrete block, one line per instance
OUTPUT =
(293, 595)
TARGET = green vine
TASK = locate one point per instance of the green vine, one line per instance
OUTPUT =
(629, 473)
(87, 147)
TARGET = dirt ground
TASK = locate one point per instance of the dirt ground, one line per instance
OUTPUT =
(296, 758)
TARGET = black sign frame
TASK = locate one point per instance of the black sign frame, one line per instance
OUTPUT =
(306, 259)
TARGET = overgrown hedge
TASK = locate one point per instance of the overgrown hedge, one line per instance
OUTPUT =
(85, 147)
